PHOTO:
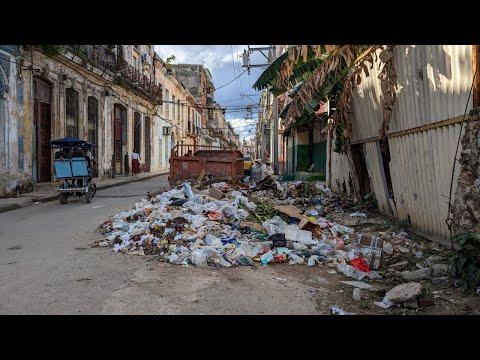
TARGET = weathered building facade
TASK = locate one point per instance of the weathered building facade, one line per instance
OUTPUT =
(106, 94)
(180, 110)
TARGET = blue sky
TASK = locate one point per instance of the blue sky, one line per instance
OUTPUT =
(224, 62)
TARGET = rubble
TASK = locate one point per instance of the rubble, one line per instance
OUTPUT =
(357, 295)
(411, 304)
(417, 274)
(439, 270)
(404, 292)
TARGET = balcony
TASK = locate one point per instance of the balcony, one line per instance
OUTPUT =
(106, 58)
(211, 125)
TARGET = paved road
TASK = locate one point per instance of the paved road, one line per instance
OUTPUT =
(46, 267)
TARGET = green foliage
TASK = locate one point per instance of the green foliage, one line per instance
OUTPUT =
(467, 260)
(427, 290)
(168, 62)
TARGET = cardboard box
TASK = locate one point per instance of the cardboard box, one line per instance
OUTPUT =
(306, 224)
(370, 248)
(252, 225)
(215, 193)
(290, 210)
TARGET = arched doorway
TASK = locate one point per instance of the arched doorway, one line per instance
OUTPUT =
(42, 120)
(119, 135)
(148, 144)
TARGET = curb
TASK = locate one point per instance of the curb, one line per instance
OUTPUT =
(45, 199)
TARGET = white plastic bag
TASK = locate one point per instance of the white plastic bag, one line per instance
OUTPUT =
(299, 246)
(275, 225)
(199, 258)
(214, 241)
(173, 258)
(296, 260)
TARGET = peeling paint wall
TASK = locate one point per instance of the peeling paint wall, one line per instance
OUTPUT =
(15, 170)
(18, 154)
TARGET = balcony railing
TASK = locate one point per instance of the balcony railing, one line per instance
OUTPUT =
(211, 125)
(104, 57)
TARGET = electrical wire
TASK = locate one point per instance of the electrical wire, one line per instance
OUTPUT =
(449, 218)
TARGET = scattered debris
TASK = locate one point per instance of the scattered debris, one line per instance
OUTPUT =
(404, 292)
(411, 304)
(357, 295)
(425, 302)
(358, 284)
(271, 223)
(336, 310)
(417, 274)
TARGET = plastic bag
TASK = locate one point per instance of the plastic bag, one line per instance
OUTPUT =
(212, 240)
(178, 202)
(241, 214)
(197, 209)
(228, 210)
(213, 255)
(173, 258)
(275, 225)
(210, 206)
(224, 262)
(323, 249)
(187, 188)
(296, 260)
(299, 246)
(199, 258)
(312, 260)
(245, 261)
(351, 271)
(278, 240)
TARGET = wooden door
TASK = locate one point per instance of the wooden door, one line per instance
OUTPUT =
(42, 114)
(148, 144)
(117, 138)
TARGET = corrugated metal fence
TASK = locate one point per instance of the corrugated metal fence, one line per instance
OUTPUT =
(434, 81)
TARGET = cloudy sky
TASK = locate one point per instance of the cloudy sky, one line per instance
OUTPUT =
(224, 62)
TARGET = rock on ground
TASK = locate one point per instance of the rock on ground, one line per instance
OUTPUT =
(417, 274)
(404, 292)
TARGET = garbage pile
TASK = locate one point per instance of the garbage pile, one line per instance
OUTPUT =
(270, 222)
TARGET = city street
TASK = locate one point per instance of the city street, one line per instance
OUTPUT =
(46, 267)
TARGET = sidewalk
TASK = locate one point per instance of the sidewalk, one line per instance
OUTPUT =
(47, 192)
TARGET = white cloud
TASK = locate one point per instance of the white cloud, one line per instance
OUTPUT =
(214, 56)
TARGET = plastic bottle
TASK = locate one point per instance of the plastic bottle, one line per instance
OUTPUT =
(336, 310)
(351, 271)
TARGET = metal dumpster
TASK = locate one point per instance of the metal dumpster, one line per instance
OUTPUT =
(215, 160)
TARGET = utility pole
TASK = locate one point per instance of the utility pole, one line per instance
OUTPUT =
(275, 122)
(272, 55)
